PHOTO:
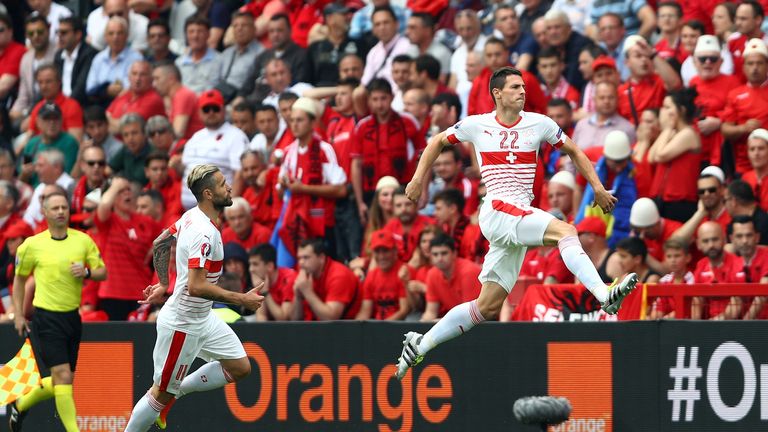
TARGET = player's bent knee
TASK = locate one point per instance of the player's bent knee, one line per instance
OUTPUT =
(238, 369)
(161, 396)
(557, 230)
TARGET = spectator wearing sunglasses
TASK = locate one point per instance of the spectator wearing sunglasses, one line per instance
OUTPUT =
(93, 164)
(218, 143)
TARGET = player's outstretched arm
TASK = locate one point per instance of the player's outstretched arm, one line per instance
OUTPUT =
(431, 152)
(603, 198)
(200, 287)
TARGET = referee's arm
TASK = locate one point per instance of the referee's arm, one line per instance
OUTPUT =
(20, 322)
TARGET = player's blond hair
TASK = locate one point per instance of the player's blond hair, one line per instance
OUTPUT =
(201, 178)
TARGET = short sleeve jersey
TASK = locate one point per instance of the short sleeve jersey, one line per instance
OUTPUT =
(507, 154)
(49, 259)
(198, 245)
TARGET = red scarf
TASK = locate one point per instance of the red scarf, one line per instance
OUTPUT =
(384, 158)
(304, 218)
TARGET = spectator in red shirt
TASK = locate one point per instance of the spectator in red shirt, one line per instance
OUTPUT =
(416, 103)
(93, 164)
(140, 98)
(160, 180)
(717, 266)
(711, 206)
(255, 190)
(449, 213)
(677, 257)
(324, 289)
(278, 283)
(653, 229)
(407, 224)
(746, 108)
(385, 144)
(744, 240)
(650, 78)
(757, 177)
(449, 174)
(668, 17)
(553, 84)
(709, 85)
(451, 281)
(48, 82)
(496, 56)
(126, 240)
(150, 203)
(414, 275)
(426, 75)
(184, 115)
(241, 228)
(383, 291)
(10, 57)
(749, 19)
(740, 201)
(676, 151)
(381, 212)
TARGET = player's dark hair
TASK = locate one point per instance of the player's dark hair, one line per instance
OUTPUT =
(499, 78)
(442, 239)
(379, 84)
(741, 192)
(430, 65)
(317, 245)
(634, 246)
(451, 196)
(201, 178)
(266, 253)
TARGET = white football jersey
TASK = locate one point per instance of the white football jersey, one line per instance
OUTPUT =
(198, 245)
(507, 154)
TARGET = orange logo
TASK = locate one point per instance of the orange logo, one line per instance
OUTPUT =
(583, 373)
(103, 387)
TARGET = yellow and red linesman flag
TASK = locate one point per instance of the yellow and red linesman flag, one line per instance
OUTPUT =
(19, 376)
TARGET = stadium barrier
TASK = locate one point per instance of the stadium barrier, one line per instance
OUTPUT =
(622, 376)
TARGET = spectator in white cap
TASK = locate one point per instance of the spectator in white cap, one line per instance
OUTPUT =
(560, 193)
(711, 207)
(314, 178)
(705, 45)
(757, 177)
(746, 107)
(676, 153)
(615, 170)
(591, 131)
(650, 78)
(709, 84)
(647, 224)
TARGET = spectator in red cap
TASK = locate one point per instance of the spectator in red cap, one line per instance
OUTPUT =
(218, 143)
(383, 291)
(451, 281)
(746, 107)
(757, 177)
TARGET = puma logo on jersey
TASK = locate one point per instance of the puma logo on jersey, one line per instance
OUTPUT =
(489, 134)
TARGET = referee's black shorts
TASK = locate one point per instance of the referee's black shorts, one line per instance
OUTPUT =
(56, 337)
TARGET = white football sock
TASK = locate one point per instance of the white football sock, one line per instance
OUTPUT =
(144, 414)
(456, 322)
(208, 377)
(581, 266)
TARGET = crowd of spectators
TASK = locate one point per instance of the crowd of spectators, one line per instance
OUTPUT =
(316, 113)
